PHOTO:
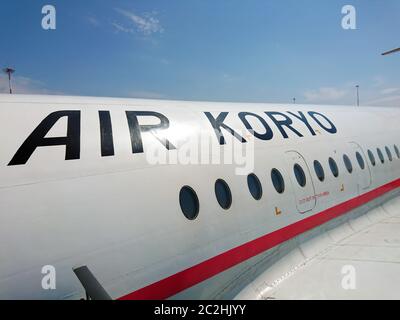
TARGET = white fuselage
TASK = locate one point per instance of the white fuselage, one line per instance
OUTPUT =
(78, 193)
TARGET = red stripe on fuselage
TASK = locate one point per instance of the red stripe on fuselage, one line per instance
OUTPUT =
(189, 277)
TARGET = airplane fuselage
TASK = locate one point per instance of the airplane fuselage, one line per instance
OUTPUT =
(98, 182)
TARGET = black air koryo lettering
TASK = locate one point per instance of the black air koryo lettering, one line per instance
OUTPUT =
(283, 123)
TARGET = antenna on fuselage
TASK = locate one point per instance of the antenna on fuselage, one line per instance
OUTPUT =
(93, 288)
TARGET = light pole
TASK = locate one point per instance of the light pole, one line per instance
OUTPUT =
(9, 71)
(358, 95)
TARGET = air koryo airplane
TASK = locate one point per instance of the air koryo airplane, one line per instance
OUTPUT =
(83, 210)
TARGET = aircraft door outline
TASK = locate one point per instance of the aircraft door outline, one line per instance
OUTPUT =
(304, 195)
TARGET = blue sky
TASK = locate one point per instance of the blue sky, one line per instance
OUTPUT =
(256, 50)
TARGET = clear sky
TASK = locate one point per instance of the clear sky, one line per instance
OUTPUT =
(255, 50)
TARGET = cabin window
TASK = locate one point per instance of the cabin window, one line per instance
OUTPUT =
(223, 194)
(380, 155)
(319, 171)
(254, 185)
(360, 160)
(371, 158)
(300, 175)
(389, 153)
(189, 203)
(334, 167)
(277, 181)
(347, 163)
(397, 151)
